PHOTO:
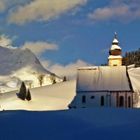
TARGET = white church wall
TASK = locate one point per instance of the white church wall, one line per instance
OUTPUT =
(113, 99)
(93, 99)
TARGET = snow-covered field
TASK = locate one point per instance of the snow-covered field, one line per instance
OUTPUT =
(74, 124)
(51, 97)
(77, 124)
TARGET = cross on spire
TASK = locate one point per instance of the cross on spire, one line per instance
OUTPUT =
(115, 35)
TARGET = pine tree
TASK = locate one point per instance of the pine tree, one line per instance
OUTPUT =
(22, 92)
(28, 96)
(132, 58)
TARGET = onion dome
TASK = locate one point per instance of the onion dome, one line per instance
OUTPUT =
(115, 48)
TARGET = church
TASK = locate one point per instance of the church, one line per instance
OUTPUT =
(104, 86)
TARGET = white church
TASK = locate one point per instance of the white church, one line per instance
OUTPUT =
(105, 86)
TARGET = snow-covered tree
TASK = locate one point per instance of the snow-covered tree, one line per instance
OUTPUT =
(52, 78)
(41, 79)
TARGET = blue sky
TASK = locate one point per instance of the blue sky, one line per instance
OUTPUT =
(69, 33)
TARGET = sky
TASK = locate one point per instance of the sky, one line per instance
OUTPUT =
(67, 34)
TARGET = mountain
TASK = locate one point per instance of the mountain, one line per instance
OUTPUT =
(22, 65)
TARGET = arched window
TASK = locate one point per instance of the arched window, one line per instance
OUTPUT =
(121, 101)
(129, 101)
(102, 101)
(84, 99)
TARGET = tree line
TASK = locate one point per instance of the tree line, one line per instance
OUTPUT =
(132, 57)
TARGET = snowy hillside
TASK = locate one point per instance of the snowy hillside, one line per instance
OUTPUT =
(77, 124)
(53, 97)
(21, 65)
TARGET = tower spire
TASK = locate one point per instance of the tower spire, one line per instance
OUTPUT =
(115, 40)
(115, 58)
(115, 35)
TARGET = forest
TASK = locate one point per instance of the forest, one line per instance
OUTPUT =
(132, 57)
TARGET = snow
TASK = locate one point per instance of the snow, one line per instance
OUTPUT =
(115, 40)
(74, 124)
(60, 95)
(114, 56)
(103, 78)
(52, 97)
(114, 47)
(89, 68)
(12, 84)
(134, 74)
(78, 124)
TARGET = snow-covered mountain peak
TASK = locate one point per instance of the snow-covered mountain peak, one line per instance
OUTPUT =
(23, 65)
(15, 59)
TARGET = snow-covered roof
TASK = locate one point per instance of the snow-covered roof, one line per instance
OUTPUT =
(103, 78)
(114, 56)
(134, 74)
(88, 68)
(114, 47)
(115, 40)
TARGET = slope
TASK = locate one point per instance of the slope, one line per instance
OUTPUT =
(52, 97)
(78, 124)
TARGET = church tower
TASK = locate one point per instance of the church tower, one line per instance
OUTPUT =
(115, 53)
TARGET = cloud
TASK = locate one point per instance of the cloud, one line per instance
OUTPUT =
(42, 10)
(2, 5)
(117, 10)
(6, 42)
(69, 70)
(40, 47)
(45, 63)
(5, 4)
